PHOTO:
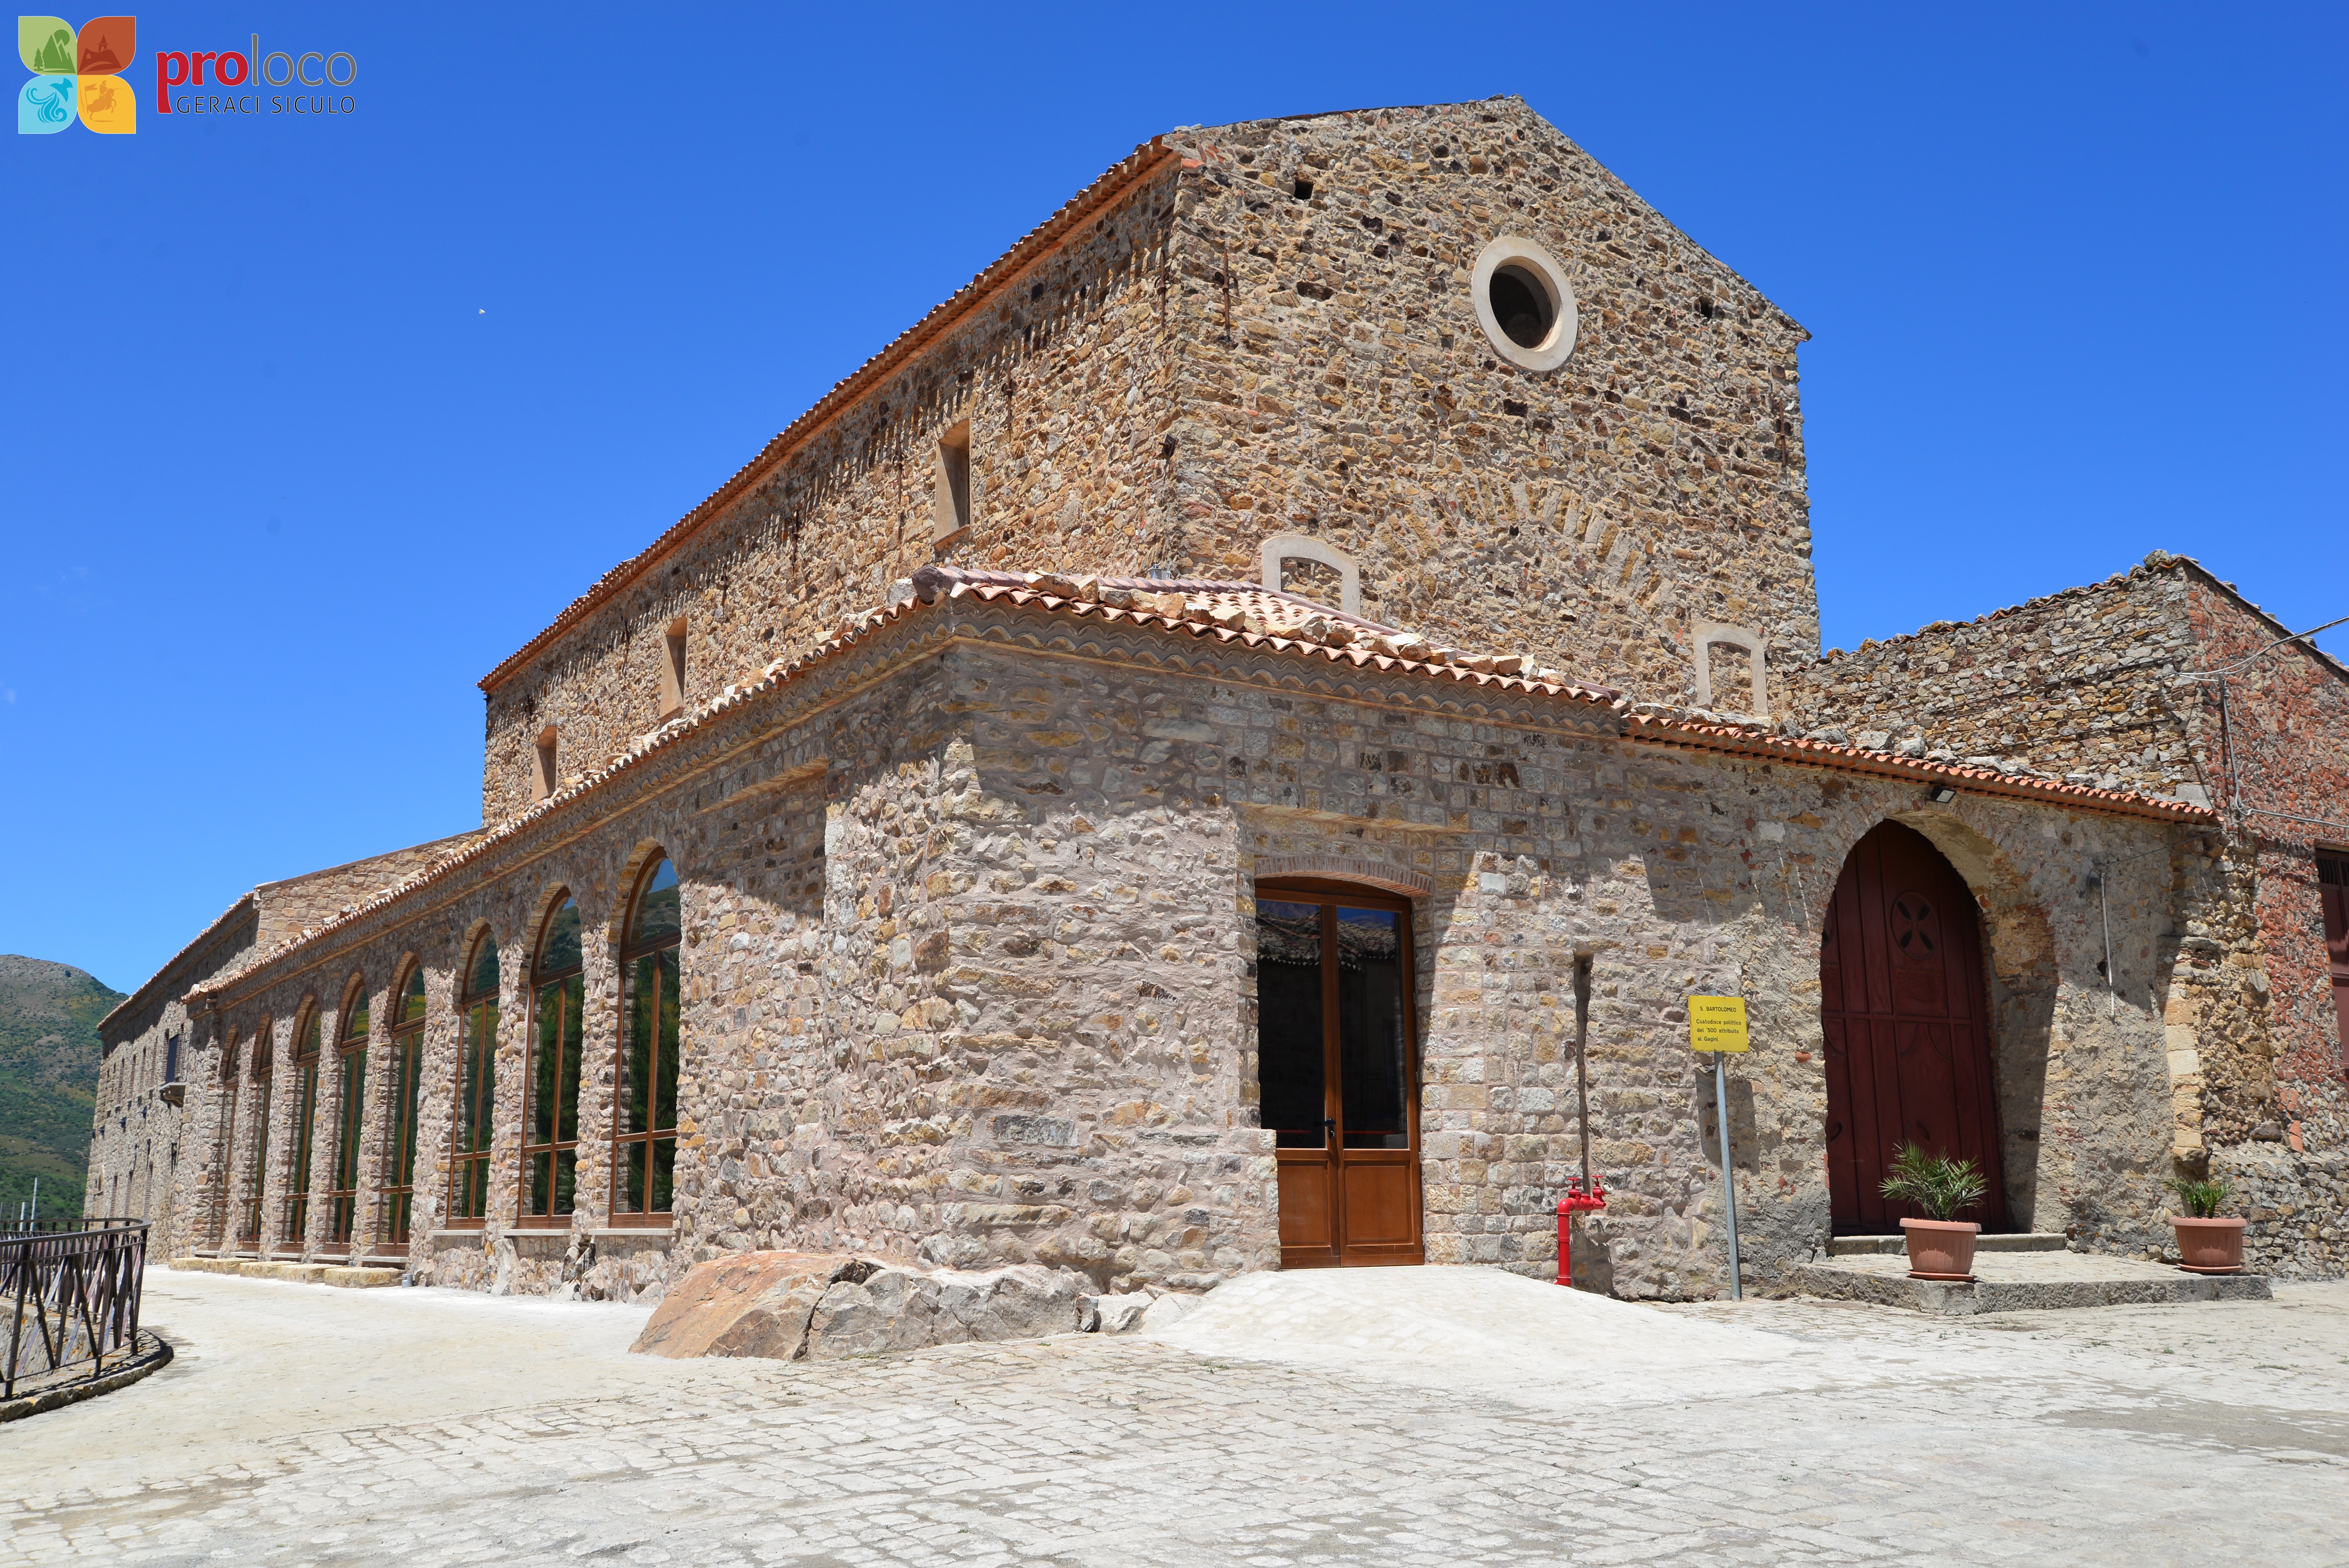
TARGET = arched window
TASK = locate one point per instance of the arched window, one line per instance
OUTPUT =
(550, 1122)
(306, 1115)
(643, 1122)
(248, 1230)
(350, 1107)
(468, 1162)
(226, 1172)
(399, 1144)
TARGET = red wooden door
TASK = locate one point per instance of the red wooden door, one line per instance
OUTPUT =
(2333, 889)
(1337, 1072)
(1907, 1036)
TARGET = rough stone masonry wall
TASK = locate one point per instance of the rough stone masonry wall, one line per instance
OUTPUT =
(1525, 843)
(137, 1135)
(2088, 683)
(850, 1081)
(1062, 375)
(2263, 1027)
(1215, 360)
(1334, 381)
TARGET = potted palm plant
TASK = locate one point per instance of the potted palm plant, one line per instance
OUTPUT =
(2208, 1241)
(1940, 1247)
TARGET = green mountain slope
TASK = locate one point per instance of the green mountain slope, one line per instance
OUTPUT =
(49, 1080)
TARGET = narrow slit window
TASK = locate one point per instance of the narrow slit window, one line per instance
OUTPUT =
(951, 509)
(543, 781)
(468, 1162)
(672, 693)
(550, 1129)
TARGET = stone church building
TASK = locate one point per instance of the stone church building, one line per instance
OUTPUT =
(1161, 772)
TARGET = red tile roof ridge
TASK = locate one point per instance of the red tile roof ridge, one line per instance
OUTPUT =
(1665, 729)
(1112, 182)
(949, 582)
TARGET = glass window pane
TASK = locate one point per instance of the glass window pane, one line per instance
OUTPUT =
(355, 1015)
(560, 952)
(664, 1167)
(354, 1101)
(1372, 1052)
(630, 1199)
(1289, 1022)
(545, 1061)
(640, 1054)
(657, 907)
(411, 1001)
(484, 981)
(566, 1101)
(663, 1115)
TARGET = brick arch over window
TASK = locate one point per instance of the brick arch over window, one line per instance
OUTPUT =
(1338, 868)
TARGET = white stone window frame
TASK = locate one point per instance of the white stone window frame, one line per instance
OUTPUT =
(1283, 547)
(1566, 323)
(1708, 635)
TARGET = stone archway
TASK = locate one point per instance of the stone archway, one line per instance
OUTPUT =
(1905, 1010)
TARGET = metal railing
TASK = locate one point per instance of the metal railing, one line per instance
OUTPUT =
(74, 1297)
(61, 1227)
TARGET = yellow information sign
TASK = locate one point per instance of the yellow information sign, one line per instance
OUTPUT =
(1717, 1023)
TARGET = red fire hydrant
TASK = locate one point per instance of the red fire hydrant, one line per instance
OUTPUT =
(1576, 1201)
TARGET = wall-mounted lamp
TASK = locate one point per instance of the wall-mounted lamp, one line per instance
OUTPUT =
(1941, 794)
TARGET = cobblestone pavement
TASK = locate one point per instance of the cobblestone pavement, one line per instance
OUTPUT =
(1381, 1417)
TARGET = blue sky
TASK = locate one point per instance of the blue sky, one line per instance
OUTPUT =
(316, 419)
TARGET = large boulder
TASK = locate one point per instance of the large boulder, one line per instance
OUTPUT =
(792, 1306)
(747, 1303)
(905, 1309)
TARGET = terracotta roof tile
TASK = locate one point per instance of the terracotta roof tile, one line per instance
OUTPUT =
(1254, 617)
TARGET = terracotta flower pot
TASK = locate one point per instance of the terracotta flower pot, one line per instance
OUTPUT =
(1940, 1249)
(2209, 1247)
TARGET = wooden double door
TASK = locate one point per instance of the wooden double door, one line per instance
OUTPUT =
(1339, 1071)
(1907, 1031)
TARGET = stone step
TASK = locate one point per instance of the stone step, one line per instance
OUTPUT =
(1898, 1246)
(339, 1275)
(2023, 1282)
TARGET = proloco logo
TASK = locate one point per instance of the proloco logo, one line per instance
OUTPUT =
(73, 74)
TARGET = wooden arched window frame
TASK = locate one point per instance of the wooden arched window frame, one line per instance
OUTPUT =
(256, 1171)
(644, 1099)
(550, 1120)
(404, 1053)
(477, 1065)
(225, 1175)
(350, 1112)
(305, 1119)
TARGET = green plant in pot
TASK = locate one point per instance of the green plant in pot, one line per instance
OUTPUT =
(1940, 1247)
(2208, 1241)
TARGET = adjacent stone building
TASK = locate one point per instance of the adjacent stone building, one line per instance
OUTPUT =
(1161, 772)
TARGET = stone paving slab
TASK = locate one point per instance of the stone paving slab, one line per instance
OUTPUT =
(2022, 1282)
(1450, 1421)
